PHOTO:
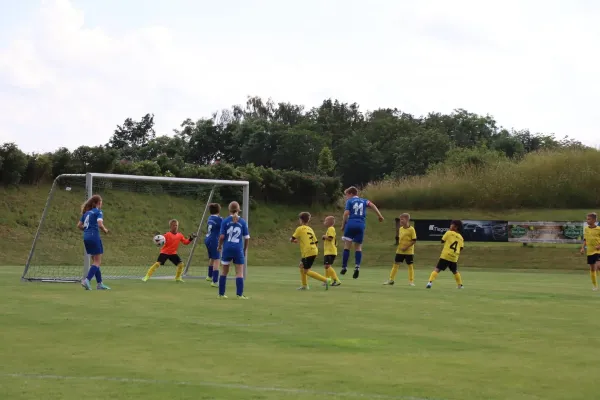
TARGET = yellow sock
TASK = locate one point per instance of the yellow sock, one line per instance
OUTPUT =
(394, 271)
(330, 273)
(433, 276)
(316, 275)
(179, 271)
(411, 273)
(152, 269)
(303, 276)
(594, 278)
(458, 278)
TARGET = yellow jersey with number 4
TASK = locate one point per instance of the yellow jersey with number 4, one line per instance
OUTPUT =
(406, 237)
(592, 239)
(307, 241)
(330, 246)
(453, 244)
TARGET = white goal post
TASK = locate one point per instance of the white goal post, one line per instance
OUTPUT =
(56, 256)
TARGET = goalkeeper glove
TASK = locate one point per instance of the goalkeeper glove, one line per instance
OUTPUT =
(193, 236)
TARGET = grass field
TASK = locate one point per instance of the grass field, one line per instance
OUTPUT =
(524, 327)
(507, 335)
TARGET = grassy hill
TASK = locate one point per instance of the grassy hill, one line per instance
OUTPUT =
(134, 217)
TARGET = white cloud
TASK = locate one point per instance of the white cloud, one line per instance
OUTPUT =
(530, 64)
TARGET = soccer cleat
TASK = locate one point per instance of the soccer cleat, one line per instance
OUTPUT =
(355, 274)
(328, 283)
(214, 285)
(595, 288)
(102, 286)
(390, 282)
(86, 284)
(222, 297)
(343, 271)
(428, 286)
(303, 288)
(460, 287)
(336, 283)
(242, 297)
(179, 280)
(411, 284)
(208, 279)
(145, 279)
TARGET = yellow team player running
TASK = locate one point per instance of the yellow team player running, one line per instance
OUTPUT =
(405, 251)
(453, 245)
(330, 250)
(305, 237)
(169, 251)
(591, 242)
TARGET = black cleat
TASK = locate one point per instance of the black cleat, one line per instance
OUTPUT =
(355, 275)
(343, 271)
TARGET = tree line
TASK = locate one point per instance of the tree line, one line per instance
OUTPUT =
(282, 145)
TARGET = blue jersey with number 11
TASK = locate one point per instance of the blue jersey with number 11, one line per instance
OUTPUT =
(235, 233)
(357, 208)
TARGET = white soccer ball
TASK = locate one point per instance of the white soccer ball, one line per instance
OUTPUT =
(159, 240)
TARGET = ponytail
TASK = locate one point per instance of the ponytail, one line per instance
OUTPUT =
(234, 209)
(92, 202)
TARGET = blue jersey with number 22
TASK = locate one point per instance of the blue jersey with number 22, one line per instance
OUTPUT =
(357, 208)
(235, 233)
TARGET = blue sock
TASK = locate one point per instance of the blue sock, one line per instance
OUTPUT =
(215, 276)
(92, 272)
(222, 283)
(345, 258)
(98, 275)
(239, 286)
(357, 258)
(210, 270)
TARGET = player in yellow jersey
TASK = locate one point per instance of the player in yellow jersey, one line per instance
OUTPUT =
(330, 250)
(591, 242)
(453, 245)
(306, 238)
(405, 251)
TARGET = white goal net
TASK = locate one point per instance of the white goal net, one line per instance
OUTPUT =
(135, 209)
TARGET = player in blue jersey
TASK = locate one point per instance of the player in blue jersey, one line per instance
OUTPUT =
(353, 227)
(233, 241)
(91, 222)
(213, 230)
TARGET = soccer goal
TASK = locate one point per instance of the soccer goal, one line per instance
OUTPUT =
(135, 209)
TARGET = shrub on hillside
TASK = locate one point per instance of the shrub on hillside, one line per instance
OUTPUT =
(552, 179)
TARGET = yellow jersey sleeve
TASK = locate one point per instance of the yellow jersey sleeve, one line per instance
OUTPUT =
(413, 233)
(297, 233)
(445, 237)
(330, 246)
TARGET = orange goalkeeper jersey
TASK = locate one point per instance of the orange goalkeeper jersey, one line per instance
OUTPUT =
(172, 241)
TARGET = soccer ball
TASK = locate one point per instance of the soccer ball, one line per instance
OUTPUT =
(159, 240)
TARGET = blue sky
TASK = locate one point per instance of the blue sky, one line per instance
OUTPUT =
(70, 71)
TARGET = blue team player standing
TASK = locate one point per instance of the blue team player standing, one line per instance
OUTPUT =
(233, 240)
(353, 226)
(213, 230)
(91, 222)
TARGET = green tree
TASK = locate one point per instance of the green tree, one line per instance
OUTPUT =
(14, 164)
(298, 150)
(420, 150)
(133, 135)
(326, 165)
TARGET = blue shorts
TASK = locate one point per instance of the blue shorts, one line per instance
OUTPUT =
(93, 247)
(211, 247)
(354, 232)
(235, 256)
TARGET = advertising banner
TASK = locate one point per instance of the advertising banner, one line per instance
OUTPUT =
(545, 232)
(473, 230)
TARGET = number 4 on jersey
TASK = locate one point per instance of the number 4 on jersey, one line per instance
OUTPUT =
(454, 246)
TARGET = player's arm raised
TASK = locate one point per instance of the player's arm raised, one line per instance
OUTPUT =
(374, 207)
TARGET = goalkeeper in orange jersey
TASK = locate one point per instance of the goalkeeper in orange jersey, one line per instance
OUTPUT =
(169, 251)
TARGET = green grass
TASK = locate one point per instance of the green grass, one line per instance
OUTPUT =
(556, 179)
(133, 218)
(507, 335)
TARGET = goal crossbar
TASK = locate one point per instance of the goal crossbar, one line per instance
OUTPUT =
(89, 190)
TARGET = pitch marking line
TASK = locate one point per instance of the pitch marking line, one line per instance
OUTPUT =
(214, 385)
